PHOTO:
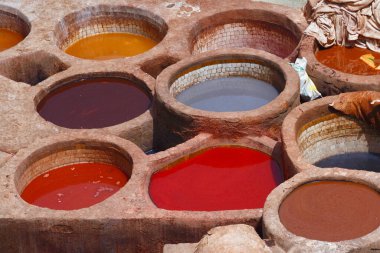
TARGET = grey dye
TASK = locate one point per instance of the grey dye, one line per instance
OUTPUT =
(228, 94)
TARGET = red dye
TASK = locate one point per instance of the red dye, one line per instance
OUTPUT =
(74, 186)
(220, 178)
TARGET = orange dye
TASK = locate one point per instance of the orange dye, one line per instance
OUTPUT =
(9, 38)
(110, 46)
(347, 60)
(74, 186)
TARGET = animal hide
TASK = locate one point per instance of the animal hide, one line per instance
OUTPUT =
(363, 105)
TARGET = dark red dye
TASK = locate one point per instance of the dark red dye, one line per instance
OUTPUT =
(220, 178)
(74, 186)
(94, 103)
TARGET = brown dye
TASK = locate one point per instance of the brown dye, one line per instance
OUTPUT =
(331, 211)
(94, 103)
(347, 60)
(110, 46)
(9, 39)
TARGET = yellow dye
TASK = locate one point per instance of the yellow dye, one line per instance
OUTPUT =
(9, 38)
(110, 46)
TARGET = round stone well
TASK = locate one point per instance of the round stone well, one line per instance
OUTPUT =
(108, 19)
(14, 21)
(259, 28)
(176, 122)
(330, 81)
(356, 229)
(313, 132)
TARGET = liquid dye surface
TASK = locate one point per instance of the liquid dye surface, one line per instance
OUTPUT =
(94, 103)
(110, 46)
(74, 186)
(355, 160)
(9, 38)
(230, 94)
(347, 60)
(152, 151)
(331, 211)
(221, 178)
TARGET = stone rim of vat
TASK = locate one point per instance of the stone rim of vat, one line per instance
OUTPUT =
(289, 22)
(70, 29)
(301, 117)
(66, 149)
(135, 78)
(330, 81)
(19, 22)
(274, 229)
(203, 141)
(226, 123)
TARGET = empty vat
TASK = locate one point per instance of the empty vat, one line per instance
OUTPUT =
(261, 29)
(109, 32)
(94, 102)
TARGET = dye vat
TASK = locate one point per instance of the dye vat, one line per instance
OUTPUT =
(322, 138)
(241, 29)
(347, 60)
(14, 27)
(219, 178)
(331, 211)
(74, 186)
(9, 38)
(229, 94)
(110, 32)
(353, 160)
(347, 72)
(94, 103)
(221, 88)
(110, 46)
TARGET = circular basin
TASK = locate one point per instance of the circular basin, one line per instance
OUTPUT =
(337, 70)
(221, 91)
(314, 136)
(109, 32)
(14, 27)
(331, 210)
(94, 102)
(73, 174)
(259, 29)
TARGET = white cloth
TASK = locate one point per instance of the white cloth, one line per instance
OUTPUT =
(308, 90)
